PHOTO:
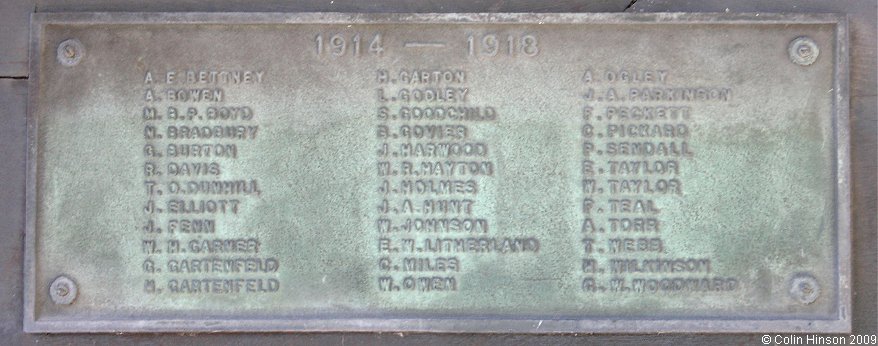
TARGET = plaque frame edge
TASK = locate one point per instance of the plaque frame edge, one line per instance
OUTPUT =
(842, 174)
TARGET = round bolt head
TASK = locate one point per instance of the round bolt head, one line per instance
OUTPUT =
(63, 290)
(804, 289)
(803, 51)
(70, 52)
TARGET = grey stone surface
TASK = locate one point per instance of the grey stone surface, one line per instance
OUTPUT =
(13, 96)
(14, 16)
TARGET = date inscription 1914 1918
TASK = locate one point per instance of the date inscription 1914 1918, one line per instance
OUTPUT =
(527, 173)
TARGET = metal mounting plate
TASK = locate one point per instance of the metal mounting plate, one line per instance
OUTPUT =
(438, 172)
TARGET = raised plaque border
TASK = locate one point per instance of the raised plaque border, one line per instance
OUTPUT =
(487, 324)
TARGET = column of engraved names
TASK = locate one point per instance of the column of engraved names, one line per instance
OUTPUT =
(432, 169)
(194, 132)
(636, 140)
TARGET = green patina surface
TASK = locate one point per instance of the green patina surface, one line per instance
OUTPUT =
(750, 203)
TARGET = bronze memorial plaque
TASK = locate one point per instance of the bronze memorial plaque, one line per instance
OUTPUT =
(438, 172)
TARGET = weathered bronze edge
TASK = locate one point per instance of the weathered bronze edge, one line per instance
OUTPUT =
(518, 326)
(843, 209)
(428, 18)
(841, 324)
